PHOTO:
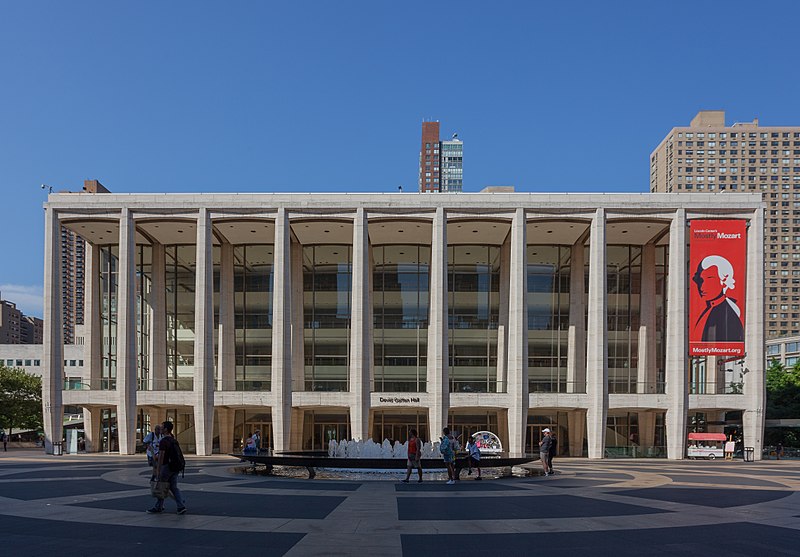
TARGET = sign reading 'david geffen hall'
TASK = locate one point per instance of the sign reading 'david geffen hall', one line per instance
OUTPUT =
(399, 399)
(718, 252)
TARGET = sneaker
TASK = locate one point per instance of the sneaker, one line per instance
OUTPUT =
(419, 481)
(450, 482)
(182, 510)
(154, 510)
(405, 481)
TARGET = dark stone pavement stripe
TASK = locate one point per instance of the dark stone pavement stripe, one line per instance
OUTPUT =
(707, 497)
(730, 480)
(227, 504)
(499, 508)
(31, 490)
(461, 486)
(33, 538)
(736, 539)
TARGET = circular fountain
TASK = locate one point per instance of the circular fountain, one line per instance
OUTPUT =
(348, 456)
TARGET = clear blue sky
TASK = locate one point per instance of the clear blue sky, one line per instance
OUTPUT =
(329, 96)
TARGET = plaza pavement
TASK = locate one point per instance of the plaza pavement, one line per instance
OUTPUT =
(93, 504)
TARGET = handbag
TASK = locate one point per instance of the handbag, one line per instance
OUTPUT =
(159, 489)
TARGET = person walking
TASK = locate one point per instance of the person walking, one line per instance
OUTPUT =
(151, 441)
(170, 464)
(474, 458)
(414, 455)
(544, 450)
(552, 452)
(448, 455)
(5, 442)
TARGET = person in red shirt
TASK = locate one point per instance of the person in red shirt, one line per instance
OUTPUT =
(414, 455)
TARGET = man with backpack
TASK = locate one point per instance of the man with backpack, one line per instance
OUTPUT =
(170, 464)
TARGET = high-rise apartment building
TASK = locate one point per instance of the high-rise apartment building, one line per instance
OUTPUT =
(18, 328)
(441, 166)
(708, 156)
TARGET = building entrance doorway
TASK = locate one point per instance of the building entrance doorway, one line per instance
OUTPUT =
(464, 426)
(246, 422)
(108, 426)
(557, 424)
(321, 427)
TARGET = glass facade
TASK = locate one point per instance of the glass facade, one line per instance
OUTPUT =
(252, 285)
(395, 425)
(400, 295)
(109, 281)
(548, 281)
(624, 289)
(144, 286)
(180, 300)
(327, 276)
(473, 287)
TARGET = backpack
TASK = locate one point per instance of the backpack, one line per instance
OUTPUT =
(176, 461)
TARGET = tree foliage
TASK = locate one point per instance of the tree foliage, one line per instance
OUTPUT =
(783, 391)
(20, 399)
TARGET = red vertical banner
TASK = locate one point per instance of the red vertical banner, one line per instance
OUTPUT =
(717, 267)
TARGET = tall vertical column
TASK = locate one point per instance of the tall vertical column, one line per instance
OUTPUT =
(158, 321)
(93, 333)
(518, 335)
(754, 381)
(677, 348)
(126, 335)
(226, 417)
(502, 328)
(226, 359)
(360, 330)
(438, 385)
(204, 336)
(281, 334)
(647, 430)
(647, 322)
(577, 431)
(91, 429)
(597, 340)
(53, 378)
(576, 336)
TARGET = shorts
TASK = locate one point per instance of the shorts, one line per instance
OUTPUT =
(448, 459)
(414, 462)
(476, 462)
(544, 457)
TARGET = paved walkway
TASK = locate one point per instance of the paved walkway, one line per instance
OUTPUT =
(94, 505)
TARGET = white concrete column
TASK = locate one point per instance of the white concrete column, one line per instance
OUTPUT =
(677, 348)
(518, 335)
(53, 377)
(576, 336)
(282, 333)
(597, 339)
(577, 431)
(157, 416)
(360, 330)
(297, 327)
(126, 335)
(204, 336)
(754, 378)
(647, 322)
(91, 429)
(93, 332)
(502, 327)
(647, 429)
(158, 321)
(438, 385)
(226, 418)
(226, 344)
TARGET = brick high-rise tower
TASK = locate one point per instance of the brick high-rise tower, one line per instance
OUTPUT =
(440, 162)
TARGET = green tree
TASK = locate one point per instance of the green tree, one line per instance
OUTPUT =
(20, 399)
(783, 391)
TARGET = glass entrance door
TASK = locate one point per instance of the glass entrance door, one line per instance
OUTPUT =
(109, 439)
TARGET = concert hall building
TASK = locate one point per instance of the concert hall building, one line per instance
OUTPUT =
(328, 316)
